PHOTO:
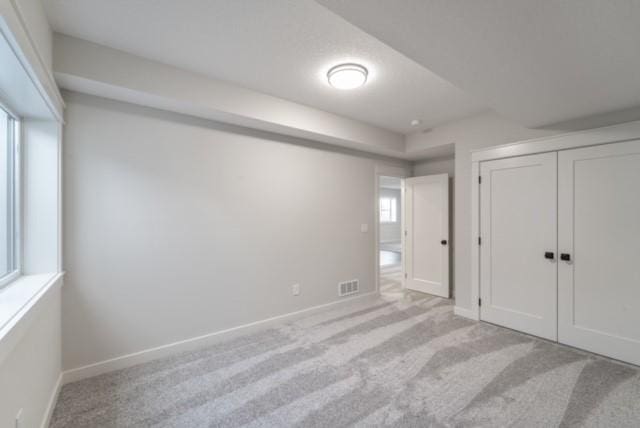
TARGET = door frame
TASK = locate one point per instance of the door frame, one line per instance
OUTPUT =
(386, 171)
(592, 137)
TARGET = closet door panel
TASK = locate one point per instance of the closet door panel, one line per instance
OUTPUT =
(599, 228)
(518, 217)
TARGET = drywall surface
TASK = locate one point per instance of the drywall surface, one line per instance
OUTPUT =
(98, 70)
(177, 227)
(435, 166)
(480, 131)
(35, 20)
(30, 372)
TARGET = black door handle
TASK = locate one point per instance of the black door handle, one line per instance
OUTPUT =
(549, 255)
(565, 257)
(443, 242)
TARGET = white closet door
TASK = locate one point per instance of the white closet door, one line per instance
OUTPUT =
(427, 230)
(599, 229)
(518, 222)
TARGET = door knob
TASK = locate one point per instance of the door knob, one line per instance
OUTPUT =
(565, 257)
(443, 242)
(549, 255)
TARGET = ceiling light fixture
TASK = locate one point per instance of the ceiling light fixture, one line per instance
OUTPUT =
(347, 76)
(416, 122)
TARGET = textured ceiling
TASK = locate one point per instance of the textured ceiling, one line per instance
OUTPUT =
(279, 47)
(538, 62)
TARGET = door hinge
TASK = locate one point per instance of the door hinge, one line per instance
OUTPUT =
(405, 275)
(479, 179)
(405, 233)
(479, 240)
(479, 302)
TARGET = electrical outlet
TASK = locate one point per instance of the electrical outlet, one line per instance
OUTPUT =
(295, 289)
(19, 419)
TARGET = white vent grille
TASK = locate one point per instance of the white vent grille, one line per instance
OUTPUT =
(348, 287)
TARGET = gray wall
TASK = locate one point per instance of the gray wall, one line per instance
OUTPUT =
(435, 166)
(177, 227)
(29, 372)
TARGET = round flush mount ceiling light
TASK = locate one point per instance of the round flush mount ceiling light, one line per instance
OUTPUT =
(347, 76)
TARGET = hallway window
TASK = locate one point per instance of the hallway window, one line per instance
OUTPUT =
(388, 210)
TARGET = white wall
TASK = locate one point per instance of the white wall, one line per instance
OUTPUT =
(30, 344)
(40, 196)
(29, 373)
(177, 227)
(435, 166)
(391, 232)
(483, 130)
(34, 16)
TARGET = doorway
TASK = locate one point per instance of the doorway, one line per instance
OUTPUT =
(390, 230)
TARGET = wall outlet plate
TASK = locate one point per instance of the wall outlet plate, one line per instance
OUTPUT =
(295, 289)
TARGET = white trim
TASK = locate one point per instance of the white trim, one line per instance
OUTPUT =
(193, 343)
(466, 313)
(14, 28)
(475, 234)
(14, 217)
(59, 177)
(46, 420)
(591, 137)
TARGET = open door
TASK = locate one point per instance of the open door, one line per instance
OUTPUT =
(427, 234)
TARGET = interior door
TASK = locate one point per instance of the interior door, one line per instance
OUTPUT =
(518, 227)
(427, 234)
(599, 231)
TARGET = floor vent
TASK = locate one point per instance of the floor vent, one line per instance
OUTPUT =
(348, 287)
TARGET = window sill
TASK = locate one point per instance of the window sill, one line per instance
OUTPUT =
(19, 302)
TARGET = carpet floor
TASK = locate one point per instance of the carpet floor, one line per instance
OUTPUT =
(403, 360)
(391, 280)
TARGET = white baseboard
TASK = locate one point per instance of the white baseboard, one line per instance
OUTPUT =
(46, 420)
(146, 355)
(466, 313)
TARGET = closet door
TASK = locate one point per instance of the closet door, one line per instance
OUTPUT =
(518, 222)
(599, 231)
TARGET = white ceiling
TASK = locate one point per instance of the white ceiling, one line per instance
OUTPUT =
(538, 62)
(279, 47)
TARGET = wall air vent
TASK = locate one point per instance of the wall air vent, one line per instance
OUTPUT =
(347, 288)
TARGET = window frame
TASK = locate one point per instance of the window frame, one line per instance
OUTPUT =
(393, 210)
(14, 138)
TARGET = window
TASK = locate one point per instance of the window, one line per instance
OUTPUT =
(9, 262)
(388, 210)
